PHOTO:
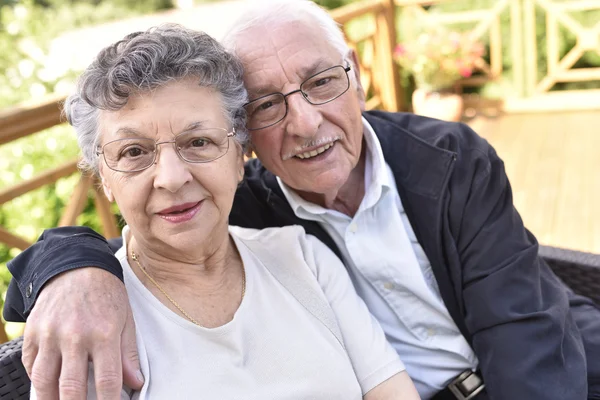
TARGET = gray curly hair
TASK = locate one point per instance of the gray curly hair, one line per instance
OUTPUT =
(144, 61)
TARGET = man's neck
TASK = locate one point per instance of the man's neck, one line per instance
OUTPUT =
(347, 198)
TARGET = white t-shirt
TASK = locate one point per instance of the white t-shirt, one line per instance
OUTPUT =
(273, 348)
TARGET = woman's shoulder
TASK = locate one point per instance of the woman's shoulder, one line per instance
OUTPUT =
(290, 243)
(279, 235)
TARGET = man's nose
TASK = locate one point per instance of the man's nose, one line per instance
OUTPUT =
(171, 172)
(303, 119)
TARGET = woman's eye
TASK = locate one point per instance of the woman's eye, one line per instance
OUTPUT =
(132, 152)
(200, 142)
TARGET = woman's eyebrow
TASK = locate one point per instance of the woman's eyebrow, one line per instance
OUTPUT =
(194, 126)
(126, 131)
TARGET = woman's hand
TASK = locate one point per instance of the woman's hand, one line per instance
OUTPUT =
(399, 386)
(81, 315)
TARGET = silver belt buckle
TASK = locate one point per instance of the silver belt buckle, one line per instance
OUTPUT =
(466, 386)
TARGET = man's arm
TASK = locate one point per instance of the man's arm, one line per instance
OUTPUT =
(524, 335)
(56, 251)
(81, 314)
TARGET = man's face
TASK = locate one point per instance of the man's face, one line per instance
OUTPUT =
(279, 59)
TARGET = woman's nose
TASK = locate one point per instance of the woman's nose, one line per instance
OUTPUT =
(171, 172)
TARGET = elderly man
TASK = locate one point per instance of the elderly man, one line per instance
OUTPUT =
(419, 210)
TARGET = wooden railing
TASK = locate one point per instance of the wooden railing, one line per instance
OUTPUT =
(23, 121)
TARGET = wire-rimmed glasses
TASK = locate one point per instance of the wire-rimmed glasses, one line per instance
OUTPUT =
(318, 89)
(138, 153)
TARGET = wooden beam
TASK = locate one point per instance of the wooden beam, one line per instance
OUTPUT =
(29, 119)
(107, 218)
(568, 100)
(44, 178)
(516, 42)
(13, 241)
(388, 72)
(77, 202)
(403, 3)
(345, 13)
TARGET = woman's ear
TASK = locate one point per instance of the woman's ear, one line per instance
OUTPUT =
(106, 186)
(241, 171)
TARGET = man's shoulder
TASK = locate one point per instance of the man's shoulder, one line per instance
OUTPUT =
(444, 135)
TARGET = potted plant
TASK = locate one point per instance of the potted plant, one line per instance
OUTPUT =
(437, 59)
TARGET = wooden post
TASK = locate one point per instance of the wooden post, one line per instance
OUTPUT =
(107, 218)
(387, 70)
(3, 336)
(77, 202)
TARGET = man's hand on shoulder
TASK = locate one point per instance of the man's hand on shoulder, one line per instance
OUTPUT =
(81, 315)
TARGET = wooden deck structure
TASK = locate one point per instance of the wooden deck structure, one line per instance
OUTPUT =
(551, 159)
(553, 163)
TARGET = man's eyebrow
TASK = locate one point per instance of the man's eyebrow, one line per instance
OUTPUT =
(317, 66)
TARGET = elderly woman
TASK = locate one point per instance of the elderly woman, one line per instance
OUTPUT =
(221, 312)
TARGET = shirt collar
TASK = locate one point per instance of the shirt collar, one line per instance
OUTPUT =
(376, 179)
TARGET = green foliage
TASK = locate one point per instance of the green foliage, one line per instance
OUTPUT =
(26, 30)
(331, 4)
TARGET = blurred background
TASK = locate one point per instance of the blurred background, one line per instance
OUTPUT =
(525, 74)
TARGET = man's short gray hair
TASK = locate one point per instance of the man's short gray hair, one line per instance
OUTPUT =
(276, 12)
(144, 61)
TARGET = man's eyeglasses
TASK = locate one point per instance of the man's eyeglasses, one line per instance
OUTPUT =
(137, 154)
(320, 88)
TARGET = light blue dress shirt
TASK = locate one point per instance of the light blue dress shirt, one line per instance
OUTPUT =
(392, 274)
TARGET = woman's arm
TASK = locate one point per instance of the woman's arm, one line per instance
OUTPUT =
(399, 386)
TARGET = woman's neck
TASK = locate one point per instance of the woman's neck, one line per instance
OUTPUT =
(205, 262)
(208, 282)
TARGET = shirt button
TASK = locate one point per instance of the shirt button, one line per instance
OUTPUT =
(430, 332)
(29, 289)
(388, 285)
(353, 227)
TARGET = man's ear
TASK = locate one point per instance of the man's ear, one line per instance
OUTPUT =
(106, 186)
(356, 71)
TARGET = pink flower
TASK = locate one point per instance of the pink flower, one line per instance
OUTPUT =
(465, 72)
(400, 50)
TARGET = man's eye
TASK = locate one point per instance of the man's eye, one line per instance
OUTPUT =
(264, 106)
(322, 81)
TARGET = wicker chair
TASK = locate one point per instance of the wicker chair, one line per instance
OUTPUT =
(580, 271)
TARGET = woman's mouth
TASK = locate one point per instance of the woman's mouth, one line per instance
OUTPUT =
(180, 213)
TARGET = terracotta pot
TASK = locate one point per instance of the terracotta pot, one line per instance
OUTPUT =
(446, 105)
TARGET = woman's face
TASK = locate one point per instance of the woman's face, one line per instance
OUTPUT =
(173, 205)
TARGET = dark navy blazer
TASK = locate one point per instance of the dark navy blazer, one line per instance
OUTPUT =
(529, 332)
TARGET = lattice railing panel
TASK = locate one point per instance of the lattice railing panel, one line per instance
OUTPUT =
(561, 16)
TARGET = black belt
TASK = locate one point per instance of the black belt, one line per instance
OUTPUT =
(466, 386)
